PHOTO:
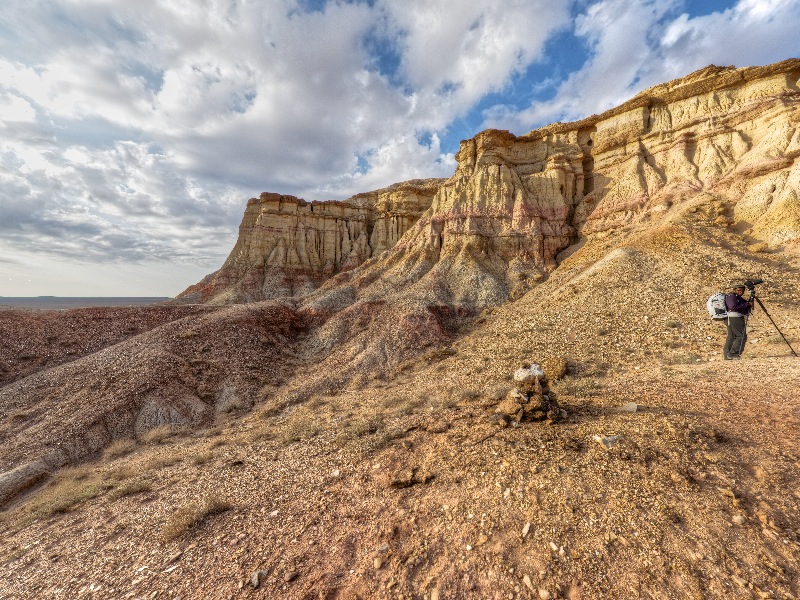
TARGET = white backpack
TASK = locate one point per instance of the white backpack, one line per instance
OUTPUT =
(716, 306)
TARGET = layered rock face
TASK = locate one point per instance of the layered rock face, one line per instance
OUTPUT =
(515, 202)
(496, 227)
(287, 246)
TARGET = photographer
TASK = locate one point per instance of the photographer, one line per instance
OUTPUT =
(738, 311)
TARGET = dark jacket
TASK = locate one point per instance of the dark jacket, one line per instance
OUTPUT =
(737, 304)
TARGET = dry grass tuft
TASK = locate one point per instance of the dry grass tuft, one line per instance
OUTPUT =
(578, 386)
(188, 517)
(157, 435)
(202, 458)
(129, 489)
(118, 449)
(64, 494)
(162, 462)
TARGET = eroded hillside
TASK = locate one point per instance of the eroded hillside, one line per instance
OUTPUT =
(345, 441)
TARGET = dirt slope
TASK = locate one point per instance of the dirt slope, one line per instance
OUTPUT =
(404, 486)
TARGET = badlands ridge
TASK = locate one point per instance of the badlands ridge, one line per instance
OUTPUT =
(319, 418)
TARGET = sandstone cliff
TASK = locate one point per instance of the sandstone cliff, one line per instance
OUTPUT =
(288, 246)
(497, 226)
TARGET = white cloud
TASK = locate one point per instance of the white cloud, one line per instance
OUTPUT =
(635, 44)
(13, 108)
(465, 50)
(135, 131)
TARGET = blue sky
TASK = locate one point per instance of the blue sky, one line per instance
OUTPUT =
(133, 133)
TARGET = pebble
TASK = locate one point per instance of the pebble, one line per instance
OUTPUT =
(544, 594)
(608, 441)
(526, 530)
(290, 576)
(258, 577)
(631, 407)
(435, 594)
(528, 583)
(739, 520)
(378, 562)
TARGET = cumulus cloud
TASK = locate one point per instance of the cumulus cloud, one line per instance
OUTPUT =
(635, 44)
(133, 132)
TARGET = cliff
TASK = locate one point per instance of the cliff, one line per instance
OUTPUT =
(288, 247)
(496, 227)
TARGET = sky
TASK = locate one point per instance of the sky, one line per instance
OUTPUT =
(133, 133)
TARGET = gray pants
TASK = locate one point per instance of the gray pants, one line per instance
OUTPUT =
(737, 336)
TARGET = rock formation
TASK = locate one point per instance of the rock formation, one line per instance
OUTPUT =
(288, 246)
(497, 226)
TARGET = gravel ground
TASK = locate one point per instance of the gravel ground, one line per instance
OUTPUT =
(672, 475)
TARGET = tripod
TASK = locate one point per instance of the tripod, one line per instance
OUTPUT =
(761, 304)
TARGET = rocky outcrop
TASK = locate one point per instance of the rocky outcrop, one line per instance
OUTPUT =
(497, 226)
(288, 247)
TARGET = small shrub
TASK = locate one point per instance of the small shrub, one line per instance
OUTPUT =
(202, 458)
(578, 386)
(384, 438)
(188, 517)
(679, 358)
(119, 448)
(123, 472)
(161, 462)
(62, 496)
(129, 489)
(157, 435)
(468, 395)
(498, 392)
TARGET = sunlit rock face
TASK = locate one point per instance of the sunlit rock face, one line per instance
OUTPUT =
(288, 247)
(496, 227)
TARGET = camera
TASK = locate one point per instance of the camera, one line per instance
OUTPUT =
(752, 283)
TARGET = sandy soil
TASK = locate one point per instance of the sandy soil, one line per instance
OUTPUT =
(672, 475)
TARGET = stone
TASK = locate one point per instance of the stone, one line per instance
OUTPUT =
(739, 519)
(630, 407)
(529, 374)
(544, 594)
(528, 583)
(526, 529)
(607, 441)
(257, 578)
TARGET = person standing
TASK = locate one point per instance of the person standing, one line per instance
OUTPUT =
(738, 311)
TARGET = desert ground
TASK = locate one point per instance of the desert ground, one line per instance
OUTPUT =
(672, 474)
